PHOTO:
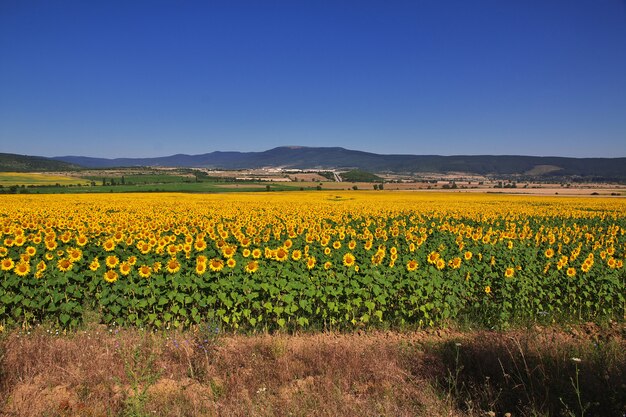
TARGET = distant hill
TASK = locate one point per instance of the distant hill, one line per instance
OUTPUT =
(297, 157)
(23, 163)
(335, 158)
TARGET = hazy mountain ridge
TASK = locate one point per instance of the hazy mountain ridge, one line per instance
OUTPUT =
(340, 158)
(291, 157)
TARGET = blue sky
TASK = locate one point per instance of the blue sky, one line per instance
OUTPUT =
(155, 78)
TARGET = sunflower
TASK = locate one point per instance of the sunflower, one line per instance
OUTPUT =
(251, 267)
(144, 271)
(94, 265)
(51, 244)
(288, 244)
(31, 251)
(377, 259)
(328, 265)
(487, 289)
(336, 244)
(432, 257)
(64, 264)
(508, 273)
(411, 265)
(110, 276)
(549, 253)
(172, 266)
(156, 267)
(202, 259)
(125, 268)
(282, 254)
(231, 263)
(586, 266)
(75, 254)
(229, 251)
(455, 263)
(352, 245)
(310, 262)
(22, 268)
(296, 255)
(440, 263)
(348, 259)
(3, 251)
(41, 266)
(81, 240)
(108, 245)
(368, 245)
(172, 249)
(216, 265)
(571, 272)
(143, 247)
(327, 251)
(611, 262)
(246, 253)
(200, 268)
(112, 261)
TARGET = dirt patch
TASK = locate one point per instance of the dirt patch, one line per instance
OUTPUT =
(423, 373)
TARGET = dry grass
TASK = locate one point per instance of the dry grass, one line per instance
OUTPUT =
(101, 372)
(129, 372)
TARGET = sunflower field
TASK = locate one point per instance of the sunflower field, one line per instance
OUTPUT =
(310, 260)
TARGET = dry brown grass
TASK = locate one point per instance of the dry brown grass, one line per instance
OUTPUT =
(101, 372)
(129, 372)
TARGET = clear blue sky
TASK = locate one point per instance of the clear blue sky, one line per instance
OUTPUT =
(154, 78)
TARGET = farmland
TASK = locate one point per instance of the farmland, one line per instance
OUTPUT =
(331, 303)
(267, 261)
(37, 179)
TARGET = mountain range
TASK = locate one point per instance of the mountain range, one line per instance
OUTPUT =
(337, 158)
(300, 157)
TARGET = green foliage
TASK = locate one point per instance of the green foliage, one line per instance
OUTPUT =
(356, 175)
(23, 163)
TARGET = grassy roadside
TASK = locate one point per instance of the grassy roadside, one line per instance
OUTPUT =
(101, 371)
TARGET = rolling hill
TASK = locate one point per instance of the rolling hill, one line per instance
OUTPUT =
(299, 157)
(336, 158)
(23, 163)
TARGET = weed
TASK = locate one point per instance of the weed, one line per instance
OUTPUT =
(139, 368)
